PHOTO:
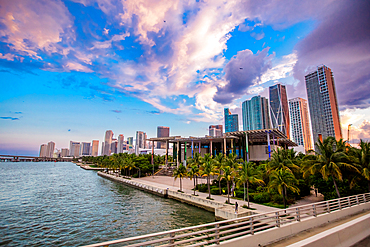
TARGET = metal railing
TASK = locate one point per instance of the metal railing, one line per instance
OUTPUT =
(214, 233)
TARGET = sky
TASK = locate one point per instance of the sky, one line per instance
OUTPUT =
(70, 70)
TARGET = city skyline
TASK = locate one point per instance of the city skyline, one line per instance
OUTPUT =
(72, 69)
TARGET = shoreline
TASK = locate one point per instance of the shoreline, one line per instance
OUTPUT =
(222, 211)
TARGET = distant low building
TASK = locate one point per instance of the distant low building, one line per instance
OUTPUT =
(43, 150)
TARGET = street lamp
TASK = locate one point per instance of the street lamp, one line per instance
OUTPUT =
(349, 125)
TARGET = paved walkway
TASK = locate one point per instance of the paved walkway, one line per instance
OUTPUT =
(187, 186)
(312, 198)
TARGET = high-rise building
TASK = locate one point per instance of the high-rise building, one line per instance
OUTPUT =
(95, 148)
(120, 140)
(140, 141)
(74, 149)
(322, 100)
(255, 114)
(43, 150)
(85, 148)
(130, 141)
(215, 130)
(64, 152)
(162, 131)
(113, 146)
(50, 149)
(231, 121)
(301, 133)
(108, 142)
(279, 109)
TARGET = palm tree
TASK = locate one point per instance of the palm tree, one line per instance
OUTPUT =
(196, 160)
(219, 160)
(207, 170)
(283, 180)
(180, 172)
(248, 174)
(328, 161)
(193, 173)
(283, 158)
(362, 159)
(228, 173)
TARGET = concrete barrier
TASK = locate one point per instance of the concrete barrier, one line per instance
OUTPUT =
(277, 233)
(346, 234)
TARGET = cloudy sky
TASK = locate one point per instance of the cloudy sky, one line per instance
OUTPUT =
(70, 70)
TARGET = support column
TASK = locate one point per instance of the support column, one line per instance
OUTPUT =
(268, 144)
(246, 147)
(211, 149)
(166, 153)
(178, 154)
(192, 149)
(224, 147)
(200, 146)
(239, 146)
(185, 154)
(232, 145)
(153, 157)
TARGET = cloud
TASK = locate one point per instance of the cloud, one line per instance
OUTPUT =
(241, 72)
(76, 67)
(258, 36)
(282, 69)
(154, 112)
(30, 26)
(9, 118)
(116, 111)
(341, 42)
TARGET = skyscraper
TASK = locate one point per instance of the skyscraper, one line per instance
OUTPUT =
(107, 143)
(130, 141)
(120, 143)
(50, 149)
(322, 100)
(113, 146)
(85, 148)
(64, 152)
(162, 131)
(256, 114)
(301, 133)
(231, 121)
(215, 130)
(74, 149)
(279, 109)
(140, 141)
(95, 148)
(43, 150)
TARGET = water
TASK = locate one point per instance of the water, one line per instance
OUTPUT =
(60, 204)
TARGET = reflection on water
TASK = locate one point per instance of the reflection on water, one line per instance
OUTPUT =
(60, 204)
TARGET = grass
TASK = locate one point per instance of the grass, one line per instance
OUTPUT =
(93, 166)
(246, 207)
(275, 205)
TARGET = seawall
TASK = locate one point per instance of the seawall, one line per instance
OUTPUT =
(222, 211)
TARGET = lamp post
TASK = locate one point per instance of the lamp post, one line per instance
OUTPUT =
(349, 125)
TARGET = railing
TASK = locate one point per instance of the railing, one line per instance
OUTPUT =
(214, 233)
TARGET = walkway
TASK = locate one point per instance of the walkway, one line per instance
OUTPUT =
(312, 198)
(165, 182)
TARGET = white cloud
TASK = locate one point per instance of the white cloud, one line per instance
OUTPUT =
(283, 69)
(76, 66)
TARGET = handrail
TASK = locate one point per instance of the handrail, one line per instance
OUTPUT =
(219, 231)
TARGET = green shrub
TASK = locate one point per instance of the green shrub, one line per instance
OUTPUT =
(277, 198)
(215, 191)
(239, 193)
(261, 197)
(135, 175)
(202, 187)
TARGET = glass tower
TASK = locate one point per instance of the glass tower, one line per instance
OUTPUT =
(322, 100)
(301, 133)
(231, 121)
(255, 114)
(279, 109)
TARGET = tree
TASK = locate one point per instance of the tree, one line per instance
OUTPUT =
(219, 160)
(248, 174)
(228, 173)
(329, 161)
(283, 180)
(207, 170)
(361, 158)
(193, 173)
(180, 172)
(283, 158)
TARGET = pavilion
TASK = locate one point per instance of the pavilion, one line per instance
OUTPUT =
(250, 145)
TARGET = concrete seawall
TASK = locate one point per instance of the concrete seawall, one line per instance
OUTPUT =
(222, 211)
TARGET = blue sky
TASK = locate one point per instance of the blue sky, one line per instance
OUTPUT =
(70, 70)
